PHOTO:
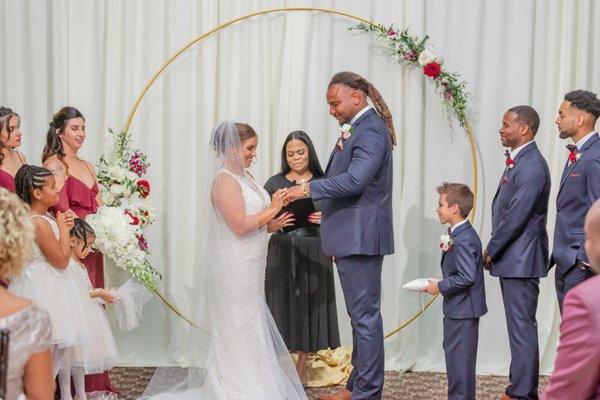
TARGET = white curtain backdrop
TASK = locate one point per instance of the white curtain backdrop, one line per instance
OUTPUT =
(272, 72)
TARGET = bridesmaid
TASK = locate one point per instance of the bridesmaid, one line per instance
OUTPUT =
(299, 278)
(10, 138)
(79, 191)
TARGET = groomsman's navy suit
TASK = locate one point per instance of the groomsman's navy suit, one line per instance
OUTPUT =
(464, 302)
(579, 188)
(357, 230)
(519, 251)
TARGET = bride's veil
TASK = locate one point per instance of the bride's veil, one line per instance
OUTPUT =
(190, 344)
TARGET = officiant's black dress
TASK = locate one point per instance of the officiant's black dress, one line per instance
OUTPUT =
(299, 283)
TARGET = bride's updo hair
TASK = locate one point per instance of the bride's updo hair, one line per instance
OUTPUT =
(220, 141)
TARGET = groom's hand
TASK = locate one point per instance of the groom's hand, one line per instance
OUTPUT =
(294, 193)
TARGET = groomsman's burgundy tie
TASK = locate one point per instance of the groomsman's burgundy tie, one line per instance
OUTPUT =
(509, 161)
(572, 153)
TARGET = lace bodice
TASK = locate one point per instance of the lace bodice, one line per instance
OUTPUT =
(252, 245)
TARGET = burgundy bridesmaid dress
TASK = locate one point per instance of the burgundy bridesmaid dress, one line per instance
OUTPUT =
(82, 200)
(7, 181)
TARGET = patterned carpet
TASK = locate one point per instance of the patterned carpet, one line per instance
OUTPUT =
(410, 386)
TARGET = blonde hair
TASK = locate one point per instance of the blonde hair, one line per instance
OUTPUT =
(16, 234)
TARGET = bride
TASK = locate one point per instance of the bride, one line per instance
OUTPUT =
(246, 357)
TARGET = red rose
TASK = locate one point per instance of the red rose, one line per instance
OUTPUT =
(143, 187)
(432, 69)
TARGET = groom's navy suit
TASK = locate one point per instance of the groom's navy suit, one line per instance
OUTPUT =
(519, 251)
(357, 230)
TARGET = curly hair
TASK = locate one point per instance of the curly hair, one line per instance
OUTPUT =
(16, 234)
(584, 101)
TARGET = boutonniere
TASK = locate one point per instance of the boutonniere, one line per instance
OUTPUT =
(510, 163)
(574, 154)
(447, 242)
(346, 130)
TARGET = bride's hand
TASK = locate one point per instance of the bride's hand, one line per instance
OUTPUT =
(283, 221)
(279, 200)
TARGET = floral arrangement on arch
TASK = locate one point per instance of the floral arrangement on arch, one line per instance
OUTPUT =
(412, 51)
(126, 210)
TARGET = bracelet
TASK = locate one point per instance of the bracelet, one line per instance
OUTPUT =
(305, 189)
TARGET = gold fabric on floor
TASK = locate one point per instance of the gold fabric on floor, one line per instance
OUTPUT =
(328, 367)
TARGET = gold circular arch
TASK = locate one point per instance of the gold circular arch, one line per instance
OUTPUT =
(200, 38)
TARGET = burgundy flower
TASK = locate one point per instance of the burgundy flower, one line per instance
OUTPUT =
(392, 33)
(433, 69)
(138, 164)
(143, 187)
(142, 242)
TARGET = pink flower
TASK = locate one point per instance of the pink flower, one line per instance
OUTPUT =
(448, 95)
(392, 33)
(410, 56)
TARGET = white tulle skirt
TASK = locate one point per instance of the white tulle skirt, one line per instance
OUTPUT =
(52, 290)
(100, 351)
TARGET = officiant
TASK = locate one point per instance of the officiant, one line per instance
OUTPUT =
(299, 280)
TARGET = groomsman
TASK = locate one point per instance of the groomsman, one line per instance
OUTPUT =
(579, 188)
(517, 252)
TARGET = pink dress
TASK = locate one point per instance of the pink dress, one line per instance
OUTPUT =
(82, 200)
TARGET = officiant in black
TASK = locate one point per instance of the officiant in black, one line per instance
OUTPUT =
(299, 281)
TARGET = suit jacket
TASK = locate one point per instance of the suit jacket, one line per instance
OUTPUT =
(357, 192)
(519, 242)
(462, 269)
(577, 367)
(579, 189)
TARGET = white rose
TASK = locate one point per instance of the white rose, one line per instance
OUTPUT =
(116, 189)
(345, 128)
(426, 57)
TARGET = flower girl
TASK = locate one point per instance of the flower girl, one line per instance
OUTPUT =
(99, 354)
(44, 279)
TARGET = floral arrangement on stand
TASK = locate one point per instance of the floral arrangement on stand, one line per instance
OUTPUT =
(126, 210)
(414, 52)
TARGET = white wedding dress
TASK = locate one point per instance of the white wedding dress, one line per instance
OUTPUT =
(247, 358)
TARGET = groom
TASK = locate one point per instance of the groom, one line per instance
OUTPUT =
(357, 220)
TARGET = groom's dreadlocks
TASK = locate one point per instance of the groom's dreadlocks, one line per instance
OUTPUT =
(356, 81)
